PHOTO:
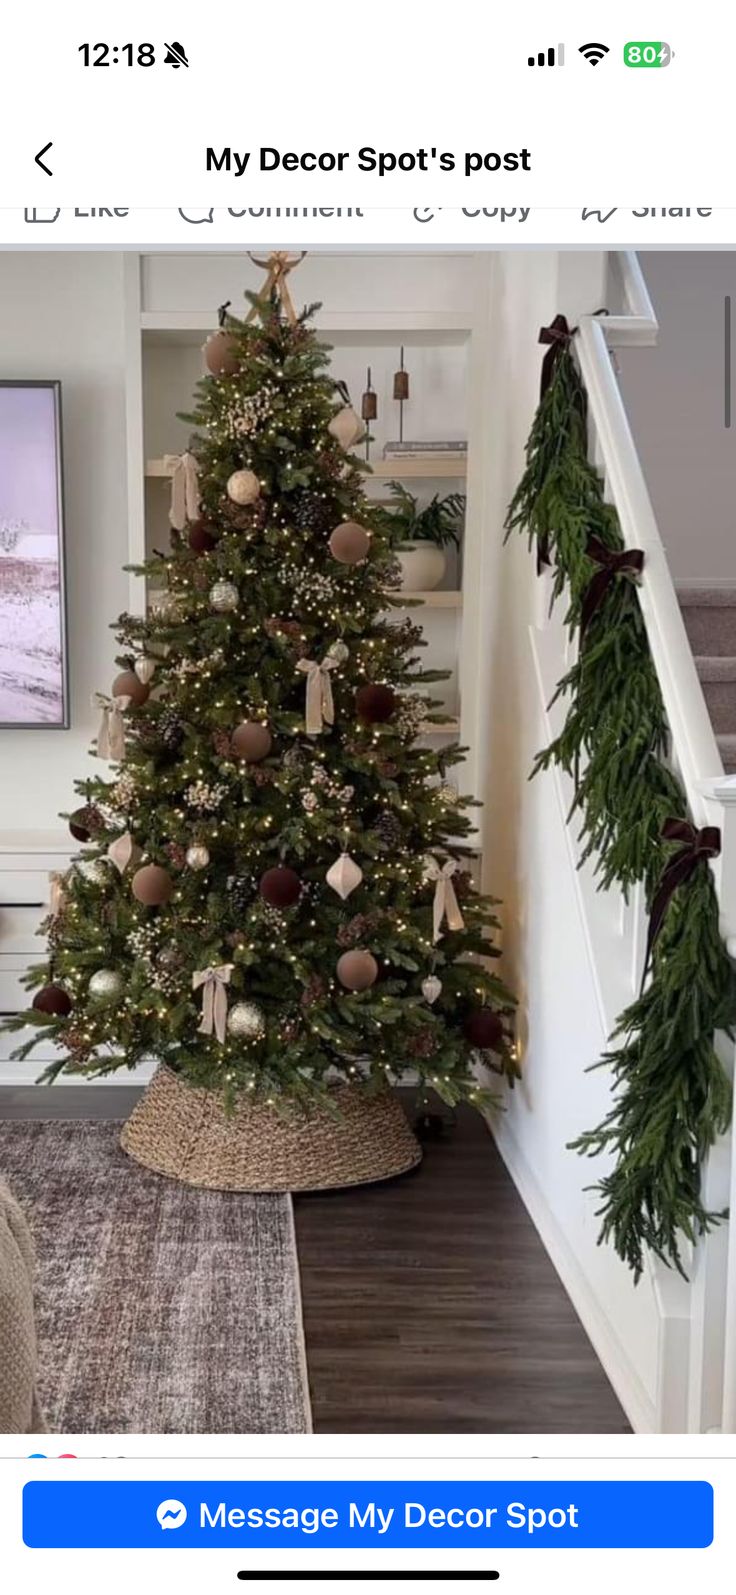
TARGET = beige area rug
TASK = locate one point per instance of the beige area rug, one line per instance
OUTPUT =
(161, 1309)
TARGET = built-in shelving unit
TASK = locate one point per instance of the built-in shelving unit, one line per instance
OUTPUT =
(427, 309)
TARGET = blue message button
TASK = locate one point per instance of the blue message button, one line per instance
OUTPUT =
(425, 1514)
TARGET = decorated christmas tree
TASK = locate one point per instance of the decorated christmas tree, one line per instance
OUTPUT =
(273, 889)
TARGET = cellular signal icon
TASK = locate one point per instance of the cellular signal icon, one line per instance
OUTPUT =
(554, 56)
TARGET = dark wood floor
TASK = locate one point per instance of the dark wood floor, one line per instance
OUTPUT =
(430, 1305)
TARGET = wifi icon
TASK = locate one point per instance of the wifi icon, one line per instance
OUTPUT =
(594, 52)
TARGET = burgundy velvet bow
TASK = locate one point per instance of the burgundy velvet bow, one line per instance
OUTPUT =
(611, 563)
(557, 335)
(696, 847)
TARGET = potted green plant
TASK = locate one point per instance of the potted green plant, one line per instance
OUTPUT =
(423, 535)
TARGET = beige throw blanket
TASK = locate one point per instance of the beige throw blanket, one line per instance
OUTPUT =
(19, 1410)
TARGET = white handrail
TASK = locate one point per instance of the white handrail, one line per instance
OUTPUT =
(710, 1319)
(694, 742)
(638, 325)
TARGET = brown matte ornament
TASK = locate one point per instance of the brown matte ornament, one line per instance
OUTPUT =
(152, 885)
(201, 539)
(280, 887)
(357, 970)
(251, 741)
(221, 354)
(128, 685)
(375, 703)
(243, 487)
(78, 829)
(53, 1000)
(484, 1028)
(349, 543)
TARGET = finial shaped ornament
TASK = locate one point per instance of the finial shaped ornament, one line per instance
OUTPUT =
(277, 266)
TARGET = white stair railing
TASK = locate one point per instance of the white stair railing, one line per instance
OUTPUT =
(697, 1358)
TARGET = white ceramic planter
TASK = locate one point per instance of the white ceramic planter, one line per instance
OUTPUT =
(423, 566)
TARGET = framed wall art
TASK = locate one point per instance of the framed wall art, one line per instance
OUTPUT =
(34, 688)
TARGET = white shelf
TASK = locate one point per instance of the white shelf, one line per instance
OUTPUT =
(444, 728)
(437, 465)
(190, 325)
(449, 599)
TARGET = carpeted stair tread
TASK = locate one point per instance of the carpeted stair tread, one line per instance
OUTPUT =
(727, 745)
(718, 678)
(714, 667)
(709, 614)
(692, 597)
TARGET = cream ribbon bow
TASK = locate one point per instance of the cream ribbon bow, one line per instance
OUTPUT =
(214, 999)
(320, 702)
(184, 489)
(111, 735)
(445, 904)
(56, 893)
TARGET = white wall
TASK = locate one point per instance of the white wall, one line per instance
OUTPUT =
(527, 864)
(61, 315)
(674, 395)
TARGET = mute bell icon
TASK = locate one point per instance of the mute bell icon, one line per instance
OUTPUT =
(175, 55)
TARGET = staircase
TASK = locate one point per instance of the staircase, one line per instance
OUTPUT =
(668, 1345)
(710, 621)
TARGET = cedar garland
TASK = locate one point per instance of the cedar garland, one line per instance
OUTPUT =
(671, 1096)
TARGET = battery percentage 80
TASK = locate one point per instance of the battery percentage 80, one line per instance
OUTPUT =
(647, 52)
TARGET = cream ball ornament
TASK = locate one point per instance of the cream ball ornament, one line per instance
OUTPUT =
(246, 1021)
(224, 597)
(198, 856)
(106, 985)
(243, 487)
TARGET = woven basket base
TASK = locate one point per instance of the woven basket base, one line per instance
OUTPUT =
(183, 1131)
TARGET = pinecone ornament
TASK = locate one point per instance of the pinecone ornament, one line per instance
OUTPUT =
(91, 819)
(170, 730)
(388, 829)
(311, 513)
(241, 893)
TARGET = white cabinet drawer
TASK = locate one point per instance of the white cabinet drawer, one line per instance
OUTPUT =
(11, 1040)
(13, 995)
(19, 930)
(24, 886)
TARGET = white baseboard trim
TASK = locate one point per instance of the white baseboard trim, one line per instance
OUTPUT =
(637, 1405)
(28, 1072)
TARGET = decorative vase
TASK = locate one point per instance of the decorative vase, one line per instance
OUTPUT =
(183, 1131)
(423, 566)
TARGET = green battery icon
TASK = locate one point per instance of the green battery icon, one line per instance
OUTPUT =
(647, 52)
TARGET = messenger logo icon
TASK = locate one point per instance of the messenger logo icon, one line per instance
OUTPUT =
(171, 1514)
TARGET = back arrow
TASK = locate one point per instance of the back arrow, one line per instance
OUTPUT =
(39, 162)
